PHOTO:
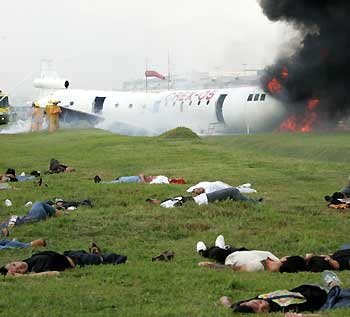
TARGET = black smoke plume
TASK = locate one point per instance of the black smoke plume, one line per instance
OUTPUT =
(320, 66)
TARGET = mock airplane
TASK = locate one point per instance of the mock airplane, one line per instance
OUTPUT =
(206, 112)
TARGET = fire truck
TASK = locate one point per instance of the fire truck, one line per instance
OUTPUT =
(4, 108)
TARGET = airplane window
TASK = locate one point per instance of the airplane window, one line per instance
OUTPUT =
(250, 97)
(256, 97)
(208, 102)
(71, 103)
(130, 105)
(116, 105)
(262, 97)
(199, 102)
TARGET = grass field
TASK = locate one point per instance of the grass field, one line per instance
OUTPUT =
(292, 172)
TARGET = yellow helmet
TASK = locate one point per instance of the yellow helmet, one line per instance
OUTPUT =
(36, 105)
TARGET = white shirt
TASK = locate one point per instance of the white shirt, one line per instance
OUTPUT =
(201, 199)
(170, 203)
(250, 259)
(209, 187)
(160, 179)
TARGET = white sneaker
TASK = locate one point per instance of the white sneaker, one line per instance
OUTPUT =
(330, 279)
(220, 241)
(201, 246)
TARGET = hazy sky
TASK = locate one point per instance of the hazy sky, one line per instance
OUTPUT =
(99, 43)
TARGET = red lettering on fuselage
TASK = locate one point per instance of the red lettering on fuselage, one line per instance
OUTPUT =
(194, 96)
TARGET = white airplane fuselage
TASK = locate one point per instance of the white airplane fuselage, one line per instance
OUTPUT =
(209, 111)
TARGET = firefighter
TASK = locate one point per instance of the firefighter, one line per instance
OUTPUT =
(55, 111)
(37, 117)
(52, 114)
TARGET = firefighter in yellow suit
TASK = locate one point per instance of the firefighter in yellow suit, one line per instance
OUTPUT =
(52, 114)
(37, 117)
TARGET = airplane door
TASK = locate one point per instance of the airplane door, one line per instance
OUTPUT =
(218, 108)
(97, 105)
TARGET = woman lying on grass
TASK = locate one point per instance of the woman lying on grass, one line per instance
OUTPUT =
(303, 298)
(51, 263)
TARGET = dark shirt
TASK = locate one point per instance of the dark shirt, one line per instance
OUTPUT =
(47, 261)
(315, 298)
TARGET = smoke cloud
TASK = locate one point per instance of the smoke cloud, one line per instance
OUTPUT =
(319, 68)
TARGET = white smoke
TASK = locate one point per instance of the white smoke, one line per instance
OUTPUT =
(20, 126)
(123, 128)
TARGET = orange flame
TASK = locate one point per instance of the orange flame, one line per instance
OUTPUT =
(284, 72)
(274, 85)
(302, 123)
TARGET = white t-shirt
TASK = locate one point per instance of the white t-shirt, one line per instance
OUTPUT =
(201, 199)
(160, 179)
(170, 203)
(250, 259)
(209, 187)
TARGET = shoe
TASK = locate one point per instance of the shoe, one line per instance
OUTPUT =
(165, 256)
(94, 248)
(201, 246)
(220, 241)
(330, 279)
(97, 179)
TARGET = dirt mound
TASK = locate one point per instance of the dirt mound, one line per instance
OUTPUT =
(179, 133)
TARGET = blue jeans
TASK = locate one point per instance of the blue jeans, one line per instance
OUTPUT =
(10, 244)
(337, 298)
(24, 178)
(39, 211)
(125, 179)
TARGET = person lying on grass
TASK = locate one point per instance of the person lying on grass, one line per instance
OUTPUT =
(340, 197)
(51, 263)
(141, 178)
(242, 259)
(304, 298)
(339, 260)
(204, 198)
(39, 211)
(14, 244)
(209, 187)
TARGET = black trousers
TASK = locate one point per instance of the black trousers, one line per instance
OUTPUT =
(83, 258)
(218, 254)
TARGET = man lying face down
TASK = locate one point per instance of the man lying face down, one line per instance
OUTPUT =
(51, 263)
(242, 259)
(202, 198)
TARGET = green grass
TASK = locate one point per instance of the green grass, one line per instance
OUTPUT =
(292, 172)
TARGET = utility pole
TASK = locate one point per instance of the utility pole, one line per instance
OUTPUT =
(169, 69)
(146, 82)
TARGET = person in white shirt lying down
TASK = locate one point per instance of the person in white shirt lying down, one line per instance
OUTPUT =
(209, 187)
(242, 259)
(205, 198)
